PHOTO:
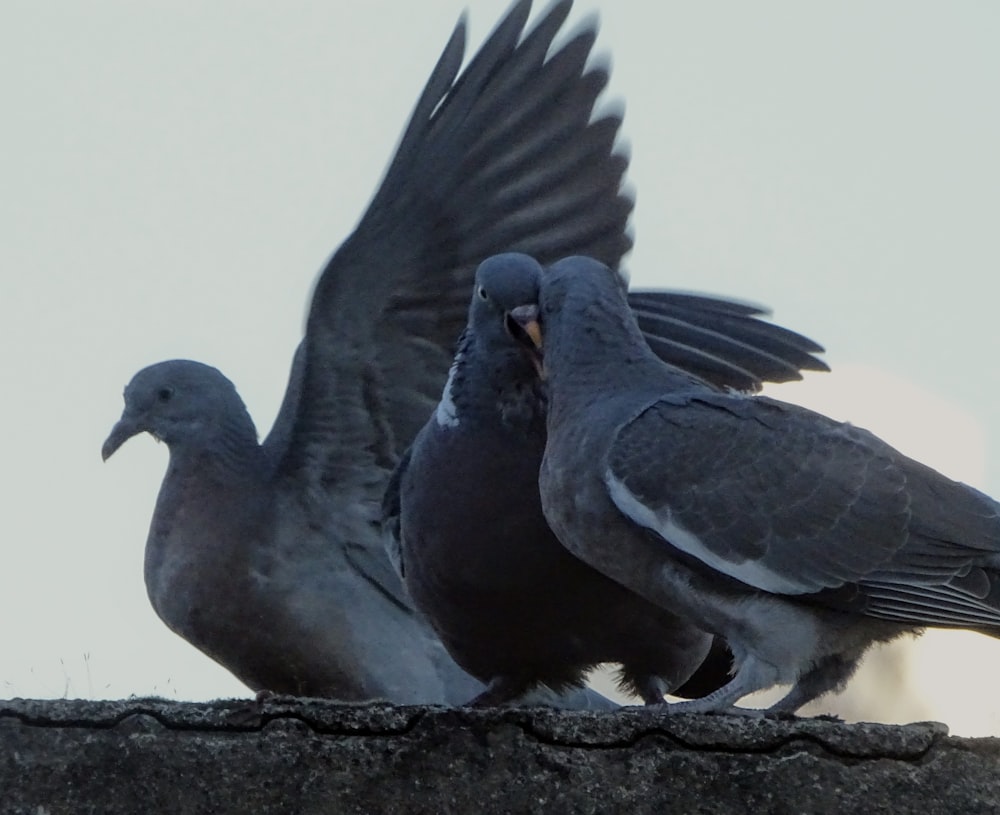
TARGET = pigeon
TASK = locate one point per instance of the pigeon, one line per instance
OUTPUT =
(464, 521)
(798, 539)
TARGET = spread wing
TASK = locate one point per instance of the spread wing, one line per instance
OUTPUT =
(506, 156)
(503, 157)
(722, 341)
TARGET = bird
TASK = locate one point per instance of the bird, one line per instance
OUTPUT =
(464, 522)
(800, 540)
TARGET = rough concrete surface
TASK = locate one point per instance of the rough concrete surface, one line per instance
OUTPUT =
(311, 756)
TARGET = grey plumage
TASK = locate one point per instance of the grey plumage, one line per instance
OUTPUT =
(799, 539)
(465, 520)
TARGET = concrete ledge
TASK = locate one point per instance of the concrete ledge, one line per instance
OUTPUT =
(310, 756)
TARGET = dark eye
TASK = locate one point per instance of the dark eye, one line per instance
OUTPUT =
(165, 394)
(481, 291)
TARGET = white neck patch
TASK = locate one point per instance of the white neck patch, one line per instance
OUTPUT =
(446, 413)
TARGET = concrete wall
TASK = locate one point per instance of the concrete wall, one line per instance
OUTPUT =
(305, 756)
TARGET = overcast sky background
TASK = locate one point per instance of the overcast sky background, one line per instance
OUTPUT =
(173, 175)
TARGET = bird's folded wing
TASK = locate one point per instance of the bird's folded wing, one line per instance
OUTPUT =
(771, 495)
(790, 502)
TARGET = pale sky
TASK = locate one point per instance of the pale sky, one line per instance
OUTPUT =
(173, 175)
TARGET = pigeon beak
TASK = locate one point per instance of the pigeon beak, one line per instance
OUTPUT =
(523, 325)
(526, 318)
(124, 429)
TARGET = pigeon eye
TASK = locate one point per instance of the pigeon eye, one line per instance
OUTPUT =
(165, 394)
(481, 291)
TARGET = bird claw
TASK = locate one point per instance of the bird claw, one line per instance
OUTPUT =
(704, 707)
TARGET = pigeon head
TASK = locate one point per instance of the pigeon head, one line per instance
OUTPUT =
(496, 368)
(580, 294)
(177, 402)
(505, 304)
(506, 294)
(581, 284)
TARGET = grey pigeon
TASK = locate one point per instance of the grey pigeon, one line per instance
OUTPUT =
(513, 607)
(268, 557)
(800, 540)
